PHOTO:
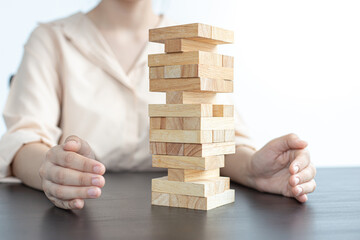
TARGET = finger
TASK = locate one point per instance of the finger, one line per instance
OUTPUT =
(69, 177)
(287, 142)
(303, 176)
(301, 161)
(77, 162)
(302, 198)
(71, 204)
(76, 144)
(304, 188)
(69, 192)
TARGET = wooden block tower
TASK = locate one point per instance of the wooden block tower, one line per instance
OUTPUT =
(190, 134)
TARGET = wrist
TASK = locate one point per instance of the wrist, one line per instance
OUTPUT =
(238, 166)
(251, 176)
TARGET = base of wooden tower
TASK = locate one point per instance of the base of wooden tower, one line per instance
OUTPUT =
(204, 194)
(192, 202)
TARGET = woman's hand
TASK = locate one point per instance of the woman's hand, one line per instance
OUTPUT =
(283, 167)
(71, 174)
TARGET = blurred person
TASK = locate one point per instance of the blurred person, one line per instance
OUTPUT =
(78, 105)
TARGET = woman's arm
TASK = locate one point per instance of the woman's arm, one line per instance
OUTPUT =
(27, 163)
(237, 166)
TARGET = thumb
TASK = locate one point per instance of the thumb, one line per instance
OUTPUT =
(76, 144)
(288, 142)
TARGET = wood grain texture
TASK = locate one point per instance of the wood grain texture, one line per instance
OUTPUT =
(180, 110)
(229, 135)
(188, 175)
(181, 136)
(158, 148)
(187, 45)
(192, 202)
(175, 149)
(223, 110)
(194, 31)
(191, 71)
(208, 123)
(201, 188)
(228, 61)
(163, 148)
(192, 123)
(192, 85)
(185, 162)
(180, 97)
(218, 136)
(203, 150)
(195, 57)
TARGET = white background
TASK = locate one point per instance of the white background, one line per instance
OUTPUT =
(297, 63)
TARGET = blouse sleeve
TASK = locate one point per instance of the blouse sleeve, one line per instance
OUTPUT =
(242, 136)
(32, 110)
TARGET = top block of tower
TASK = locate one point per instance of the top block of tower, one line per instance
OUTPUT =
(194, 31)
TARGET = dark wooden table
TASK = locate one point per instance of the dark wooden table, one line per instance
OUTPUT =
(124, 212)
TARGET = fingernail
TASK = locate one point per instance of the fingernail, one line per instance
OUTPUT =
(95, 181)
(297, 180)
(92, 192)
(298, 191)
(296, 168)
(97, 169)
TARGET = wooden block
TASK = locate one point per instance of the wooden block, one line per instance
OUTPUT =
(187, 45)
(191, 71)
(180, 136)
(203, 150)
(208, 123)
(158, 148)
(218, 136)
(180, 110)
(187, 175)
(160, 199)
(195, 57)
(194, 31)
(173, 123)
(220, 33)
(227, 61)
(190, 97)
(223, 110)
(193, 123)
(229, 135)
(191, 202)
(184, 162)
(156, 72)
(157, 123)
(192, 85)
(175, 149)
(200, 188)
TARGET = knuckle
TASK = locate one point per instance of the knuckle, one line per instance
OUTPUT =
(41, 172)
(314, 186)
(292, 136)
(69, 158)
(59, 204)
(83, 179)
(45, 189)
(60, 176)
(49, 154)
(314, 169)
(59, 192)
(84, 164)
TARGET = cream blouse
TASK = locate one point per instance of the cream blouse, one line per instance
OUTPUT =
(70, 83)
